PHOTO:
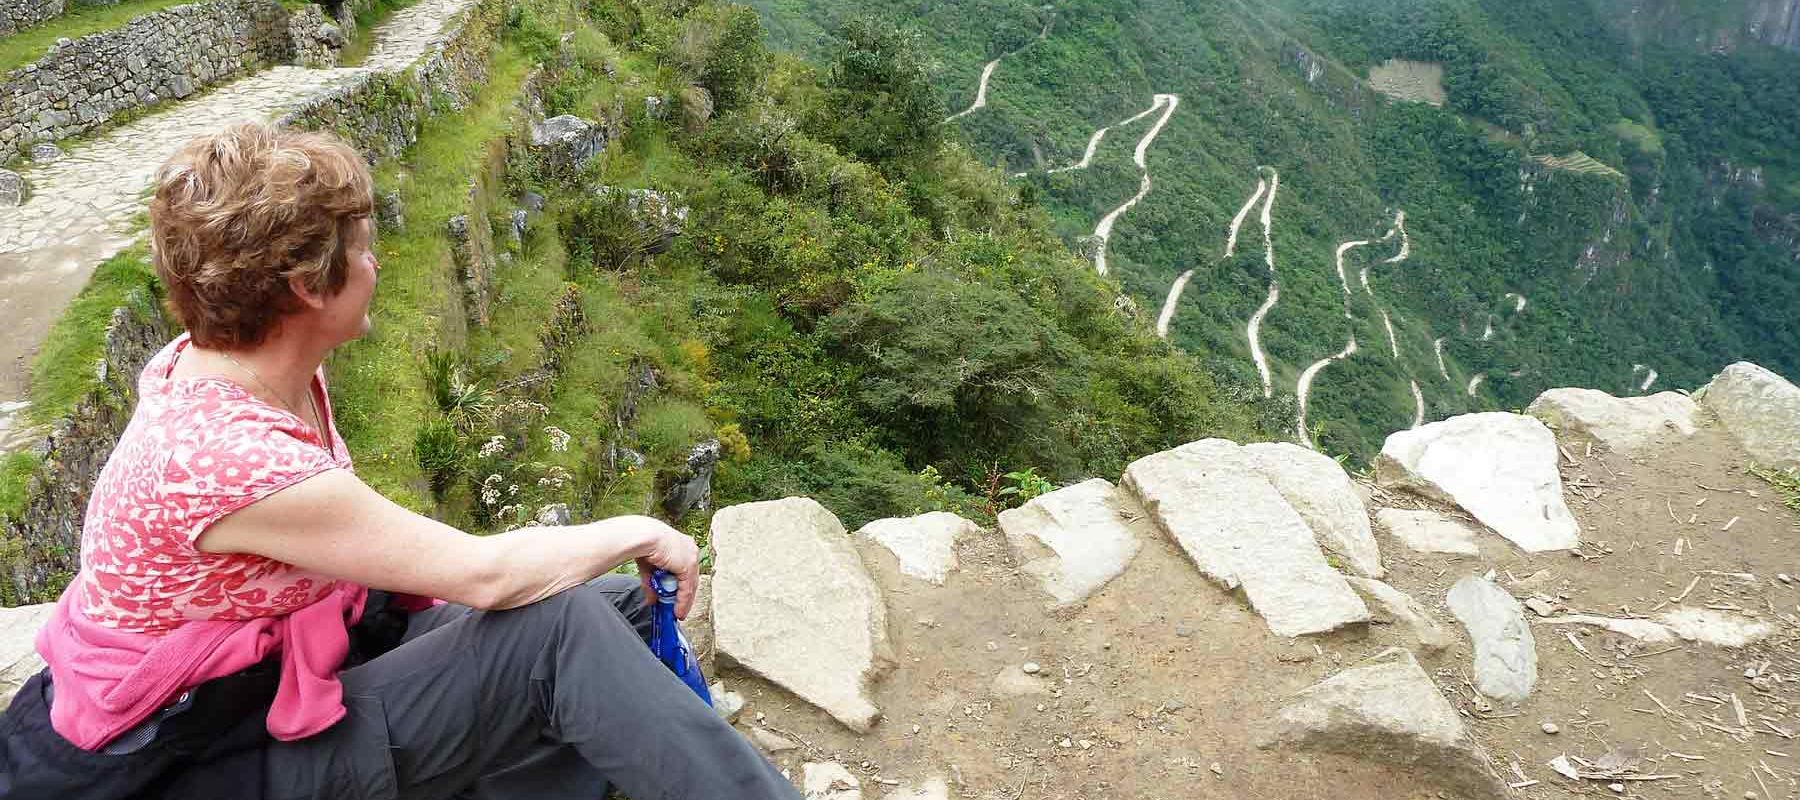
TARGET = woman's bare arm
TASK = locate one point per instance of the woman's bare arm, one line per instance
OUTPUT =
(335, 524)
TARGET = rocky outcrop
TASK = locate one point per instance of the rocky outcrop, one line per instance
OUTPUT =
(1317, 487)
(690, 487)
(1505, 652)
(564, 145)
(925, 544)
(1387, 709)
(1427, 531)
(165, 55)
(1214, 498)
(1073, 540)
(18, 658)
(1761, 409)
(1499, 467)
(1627, 425)
(793, 603)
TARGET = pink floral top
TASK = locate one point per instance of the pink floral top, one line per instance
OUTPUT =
(196, 450)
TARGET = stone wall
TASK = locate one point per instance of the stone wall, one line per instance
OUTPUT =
(166, 55)
(40, 550)
(380, 112)
(17, 15)
(42, 546)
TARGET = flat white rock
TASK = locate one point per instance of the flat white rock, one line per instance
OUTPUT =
(829, 781)
(1392, 606)
(1505, 652)
(1627, 425)
(924, 544)
(1761, 409)
(793, 603)
(18, 655)
(1428, 531)
(1073, 540)
(1241, 532)
(1640, 629)
(1499, 467)
(1318, 488)
(1386, 709)
(1717, 628)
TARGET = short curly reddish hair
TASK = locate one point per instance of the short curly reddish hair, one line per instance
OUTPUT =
(236, 213)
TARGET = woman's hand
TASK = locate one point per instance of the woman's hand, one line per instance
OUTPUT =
(669, 550)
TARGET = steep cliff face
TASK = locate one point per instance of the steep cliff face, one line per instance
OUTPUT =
(1708, 24)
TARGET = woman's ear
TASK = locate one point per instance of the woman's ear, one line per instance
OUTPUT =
(308, 297)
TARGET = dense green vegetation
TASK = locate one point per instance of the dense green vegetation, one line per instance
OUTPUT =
(855, 309)
(1684, 264)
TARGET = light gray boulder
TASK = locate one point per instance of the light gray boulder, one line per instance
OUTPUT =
(1626, 425)
(829, 781)
(1428, 531)
(1073, 540)
(12, 188)
(18, 655)
(1761, 409)
(1387, 709)
(1241, 532)
(924, 544)
(46, 153)
(1317, 487)
(1500, 467)
(1505, 652)
(1394, 607)
(793, 603)
(565, 144)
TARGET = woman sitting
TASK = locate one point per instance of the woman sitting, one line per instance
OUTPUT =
(248, 617)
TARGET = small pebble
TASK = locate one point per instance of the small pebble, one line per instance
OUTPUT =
(1174, 705)
(1040, 707)
(1616, 787)
(1550, 728)
(1066, 742)
(916, 729)
(992, 647)
(1750, 672)
(1031, 668)
(1217, 770)
(1784, 578)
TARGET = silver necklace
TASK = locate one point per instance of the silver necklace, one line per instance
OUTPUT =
(291, 407)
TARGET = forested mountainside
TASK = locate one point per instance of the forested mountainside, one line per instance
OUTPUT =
(1607, 196)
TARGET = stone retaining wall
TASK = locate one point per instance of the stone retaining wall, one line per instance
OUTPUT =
(166, 55)
(40, 550)
(380, 112)
(17, 15)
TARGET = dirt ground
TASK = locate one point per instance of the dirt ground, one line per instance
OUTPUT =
(1161, 685)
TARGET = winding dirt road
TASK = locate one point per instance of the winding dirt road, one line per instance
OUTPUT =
(1304, 387)
(987, 73)
(1254, 329)
(1103, 231)
(1649, 376)
(1418, 404)
(1181, 282)
(1437, 347)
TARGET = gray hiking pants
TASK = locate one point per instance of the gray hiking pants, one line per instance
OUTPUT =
(557, 699)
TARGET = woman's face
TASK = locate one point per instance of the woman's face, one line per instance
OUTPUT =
(348, 311)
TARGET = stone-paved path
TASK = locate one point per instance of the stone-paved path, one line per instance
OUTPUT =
(81, 209)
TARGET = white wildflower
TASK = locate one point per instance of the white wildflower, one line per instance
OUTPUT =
(493, 446)
(559, 438)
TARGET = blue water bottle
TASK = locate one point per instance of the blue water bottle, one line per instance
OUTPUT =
(666, 640)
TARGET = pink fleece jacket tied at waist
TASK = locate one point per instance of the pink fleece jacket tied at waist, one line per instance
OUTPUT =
(108, 680)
